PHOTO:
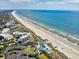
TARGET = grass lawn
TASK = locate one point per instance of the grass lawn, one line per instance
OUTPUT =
(29, 50)
(42, 56)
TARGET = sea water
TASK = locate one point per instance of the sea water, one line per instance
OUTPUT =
(67, 21)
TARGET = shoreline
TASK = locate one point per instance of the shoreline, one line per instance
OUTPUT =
(55, 31)
(56, 40)
(49, 27)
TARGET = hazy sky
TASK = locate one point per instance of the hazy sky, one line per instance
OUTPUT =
(40, 4)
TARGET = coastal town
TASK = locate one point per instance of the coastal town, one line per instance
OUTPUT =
(19, 42)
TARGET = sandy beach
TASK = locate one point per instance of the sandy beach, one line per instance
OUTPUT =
(62, 44)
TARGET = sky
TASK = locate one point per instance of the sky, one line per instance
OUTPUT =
(40, 4)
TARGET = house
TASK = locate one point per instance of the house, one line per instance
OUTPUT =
(9, 24)
(44, 47)
(22, 37)
(18, 34)
(5, 31)
(25, 38)
(5, 37)
(16, 26)
(12, 25)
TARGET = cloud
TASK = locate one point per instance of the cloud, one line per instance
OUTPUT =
(45, 1)
(23, 0)
(40, 4)
(73, 1)
(54, 2)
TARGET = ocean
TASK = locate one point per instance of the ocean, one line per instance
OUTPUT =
(66, 21)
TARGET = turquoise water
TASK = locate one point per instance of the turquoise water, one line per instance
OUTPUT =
(67, 21)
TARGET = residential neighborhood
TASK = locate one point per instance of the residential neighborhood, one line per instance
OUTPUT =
(18, 42)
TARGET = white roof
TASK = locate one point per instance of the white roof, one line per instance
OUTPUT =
(17, 32)
(5, 30)
(10, 23)
(24, 36)
(7, 36)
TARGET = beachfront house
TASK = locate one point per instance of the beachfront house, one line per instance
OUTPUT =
(25, 38)
(18, 34)
(22, 37)
(44, 47)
